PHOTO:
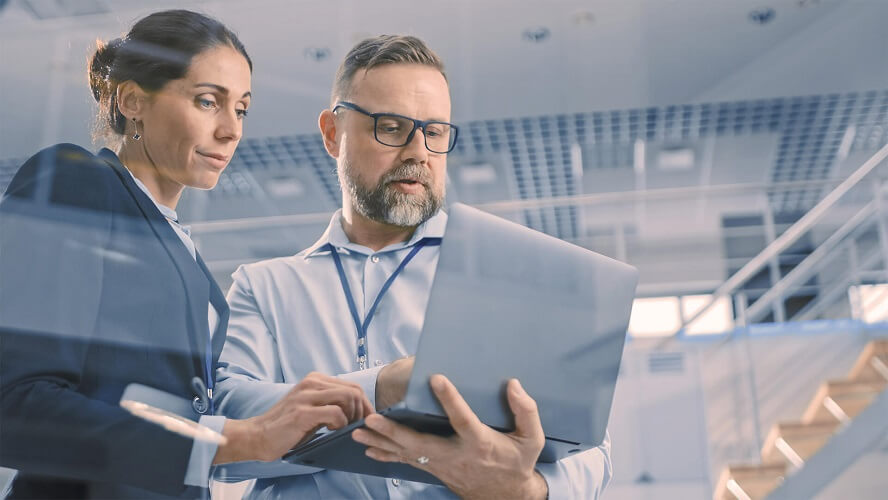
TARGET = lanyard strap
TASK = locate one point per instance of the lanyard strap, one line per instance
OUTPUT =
(361, 326)
(208, 365)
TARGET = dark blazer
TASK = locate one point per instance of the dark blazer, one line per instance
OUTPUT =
(96, 292)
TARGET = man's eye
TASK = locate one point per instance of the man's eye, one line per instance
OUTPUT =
(389, 128)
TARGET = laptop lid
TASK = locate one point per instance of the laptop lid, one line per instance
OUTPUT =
(508, 301)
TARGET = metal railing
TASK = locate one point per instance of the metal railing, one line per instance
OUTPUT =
(792, 235)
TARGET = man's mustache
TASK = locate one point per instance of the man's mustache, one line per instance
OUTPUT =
(408, 171)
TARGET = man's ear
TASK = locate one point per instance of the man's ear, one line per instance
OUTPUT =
(327, 125)
(131, 100)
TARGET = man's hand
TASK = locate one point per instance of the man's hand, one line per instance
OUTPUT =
(477, 461)
(391, 382)
(317, 401)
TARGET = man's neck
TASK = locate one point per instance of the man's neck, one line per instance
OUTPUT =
(372, 234)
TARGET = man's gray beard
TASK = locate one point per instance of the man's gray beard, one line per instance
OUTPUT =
(386, 204)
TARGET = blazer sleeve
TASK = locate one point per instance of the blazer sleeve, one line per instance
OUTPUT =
(55, 222)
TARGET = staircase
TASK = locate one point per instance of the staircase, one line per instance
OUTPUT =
(790, 445)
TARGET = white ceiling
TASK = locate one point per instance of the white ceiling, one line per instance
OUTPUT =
(635, 53)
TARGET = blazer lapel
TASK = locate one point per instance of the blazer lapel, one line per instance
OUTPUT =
(217, 299)
(195, 282)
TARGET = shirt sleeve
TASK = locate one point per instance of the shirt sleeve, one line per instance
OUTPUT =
(248, 379)
(366, 379)
(584, 475)
(202, 453)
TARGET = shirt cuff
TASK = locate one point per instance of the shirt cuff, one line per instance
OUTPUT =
(202, 454)
(556, 480)
(366, 379)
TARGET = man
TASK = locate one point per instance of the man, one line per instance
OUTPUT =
(352, 304)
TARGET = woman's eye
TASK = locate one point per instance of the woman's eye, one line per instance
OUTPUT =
(206, 103)
(242, 113)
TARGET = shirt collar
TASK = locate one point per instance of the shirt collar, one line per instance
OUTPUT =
(335, 235)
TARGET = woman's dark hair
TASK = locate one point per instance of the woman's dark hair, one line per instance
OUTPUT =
(158, 48)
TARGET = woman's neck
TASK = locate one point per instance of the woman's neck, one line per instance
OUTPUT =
(164, 190)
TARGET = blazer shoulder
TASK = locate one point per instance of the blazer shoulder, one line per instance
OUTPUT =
(64, 174)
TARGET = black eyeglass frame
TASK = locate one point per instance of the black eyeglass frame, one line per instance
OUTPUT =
(417, 124)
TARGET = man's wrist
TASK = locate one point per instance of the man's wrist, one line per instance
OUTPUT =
(383, 384)
(240, 445)
(538, 488)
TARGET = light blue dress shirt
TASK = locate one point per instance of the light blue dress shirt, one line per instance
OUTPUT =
(289, 317)
(202, 453)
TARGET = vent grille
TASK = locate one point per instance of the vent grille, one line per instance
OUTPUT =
(666, 362)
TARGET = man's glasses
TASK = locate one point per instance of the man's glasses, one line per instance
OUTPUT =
(397, 130)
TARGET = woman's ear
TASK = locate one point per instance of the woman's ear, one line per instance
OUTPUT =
(131, 100)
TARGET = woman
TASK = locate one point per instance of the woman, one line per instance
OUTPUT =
(101, 288)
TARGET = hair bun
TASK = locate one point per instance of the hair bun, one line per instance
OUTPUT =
(100, 66)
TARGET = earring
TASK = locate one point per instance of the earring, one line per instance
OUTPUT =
(136, 135)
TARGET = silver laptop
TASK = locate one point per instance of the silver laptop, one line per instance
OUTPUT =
(508, 301)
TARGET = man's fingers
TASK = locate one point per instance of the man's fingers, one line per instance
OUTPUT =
(317, 380)
(330, 416)
(360, 405)
(344, 397)
(403, 436)
(527, 417)
(366, 405)
(374, 439)
(462, 418)
(382, 455)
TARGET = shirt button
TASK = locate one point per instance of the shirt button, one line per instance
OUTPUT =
(396, 482)
(378, 362)
(374, 259)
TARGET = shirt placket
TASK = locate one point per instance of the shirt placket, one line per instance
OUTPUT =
(373, 277)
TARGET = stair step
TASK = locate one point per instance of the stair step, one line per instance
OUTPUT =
(849, 396)
(872, 363)
(755, 481)
(789, 442)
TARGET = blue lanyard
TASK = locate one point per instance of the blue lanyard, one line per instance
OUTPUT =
(361, 326)
(211, 380)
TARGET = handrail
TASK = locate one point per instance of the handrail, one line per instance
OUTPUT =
(800, 271)
(789, 237)
(837, 289)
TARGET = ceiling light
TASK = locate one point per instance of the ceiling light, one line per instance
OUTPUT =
(583, 18)
(477, 174)
(677, 158)
(762, 15)
(536, 34)
(316, 54)
(285, 187)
